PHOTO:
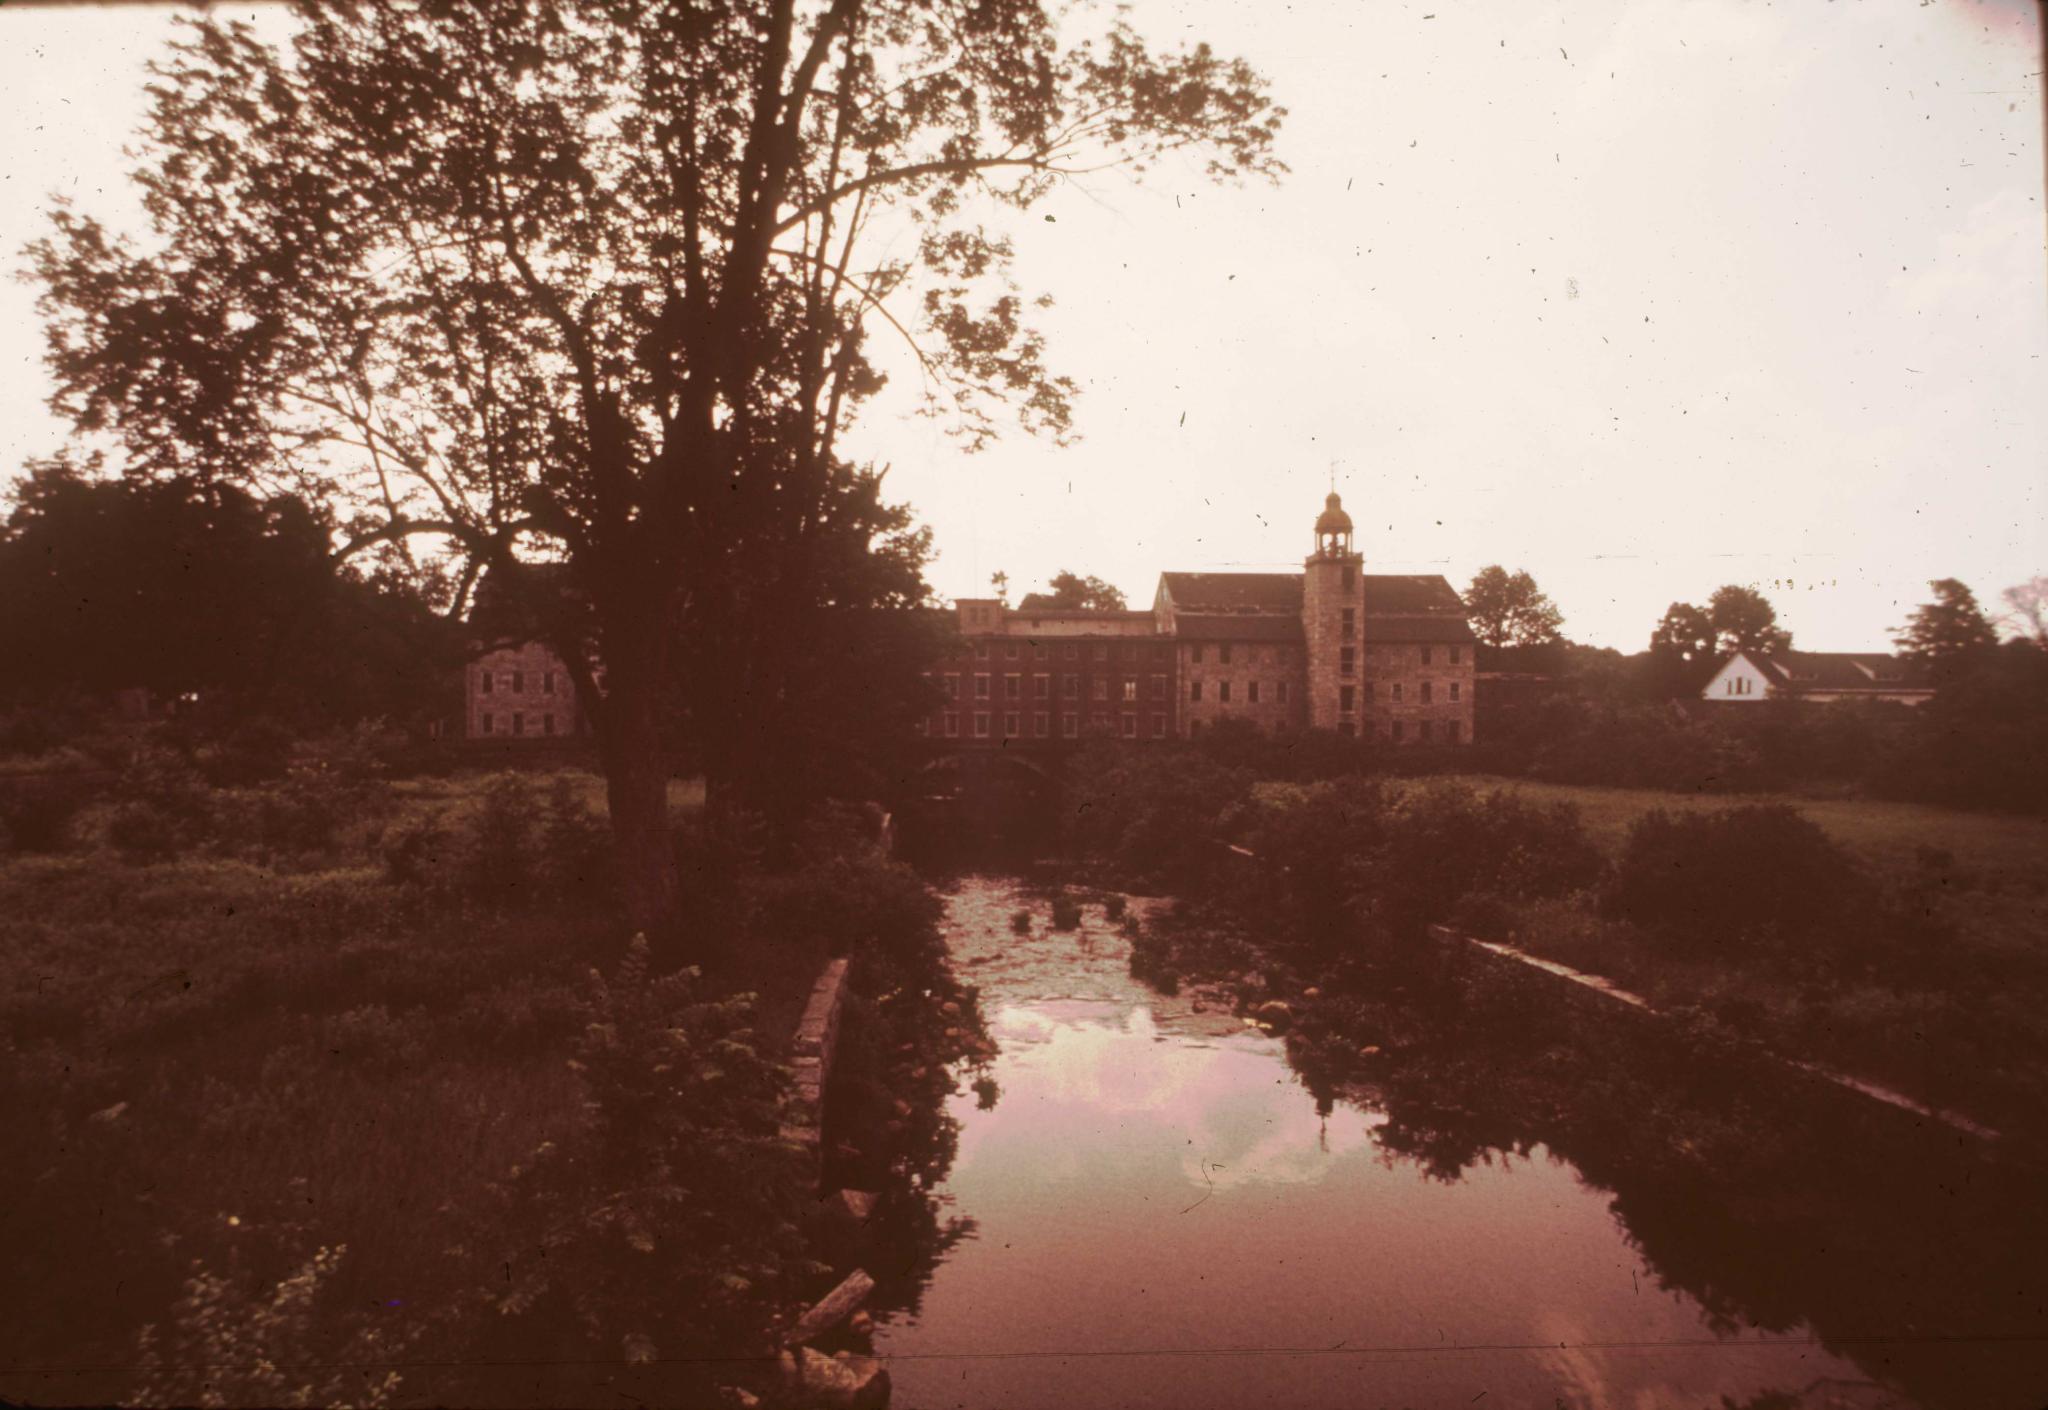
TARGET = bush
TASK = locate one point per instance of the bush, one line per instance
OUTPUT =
(1738, 878)
(496, 855)
(1153, 812)
(36, 813)
(1066, 912)
(576, 856)
(145, 832)
(255, 751)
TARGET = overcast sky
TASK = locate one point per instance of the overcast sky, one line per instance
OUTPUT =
(1644, 297)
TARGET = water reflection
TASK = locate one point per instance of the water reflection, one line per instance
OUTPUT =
(1167, 1215)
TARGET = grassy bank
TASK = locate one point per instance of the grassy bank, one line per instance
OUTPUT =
(305, 1071)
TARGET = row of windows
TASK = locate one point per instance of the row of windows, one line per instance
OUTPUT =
(1739, 685)
(1347, 695)
(487, 723)
(1251, 689)
(1454, 731)
(487, 682)
(1041, 725)
(1041, 687)
(1071, 650)
(1226, 650)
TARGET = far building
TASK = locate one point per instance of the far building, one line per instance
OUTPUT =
(1817, 677)
(1380, 655)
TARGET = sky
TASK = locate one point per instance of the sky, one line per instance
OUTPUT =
(1644, 297)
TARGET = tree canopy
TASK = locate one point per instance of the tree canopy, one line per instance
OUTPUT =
(594, 282)
(207, 591)
(1945, 634)
(1508, 609)
(1071, 591)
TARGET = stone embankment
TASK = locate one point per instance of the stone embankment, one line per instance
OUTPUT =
(1605, 994)
(807, 1377)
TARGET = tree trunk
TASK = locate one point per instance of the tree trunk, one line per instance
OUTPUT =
(636, 789)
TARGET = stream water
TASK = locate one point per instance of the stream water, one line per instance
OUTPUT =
(1164, 1215)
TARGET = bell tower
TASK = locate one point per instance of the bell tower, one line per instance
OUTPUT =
(1332, 602)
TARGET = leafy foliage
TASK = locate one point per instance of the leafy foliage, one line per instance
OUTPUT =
(1947, 634)
(1508, 609)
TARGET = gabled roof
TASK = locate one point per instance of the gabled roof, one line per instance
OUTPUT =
(1411, 592)
(1239, 626)
(1839, 670)
(1233, 592)
(1428, 629)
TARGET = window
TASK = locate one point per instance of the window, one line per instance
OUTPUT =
(1457, 654)
(1425, 655)
(1072, 651)
(980, 725)
(1347, 661)
(1251, 692)
(1159, 652)
(1223, 655)
(1130, 689)
(1130, 727)
(1102, 687)
(1398, 730)
(1426, 731)
(518, 723)
(1196, 654)
(1013, 687)
(1159, 726)
(1428, 692)
(1070, 725)
(1126, 652)
(1038, 651)
(487, 682)
(1098, 720)
(1194, 690)
(547, 685)
(1347, 698)
(1159, 687)
(952, 725)
(1102, 651)
(1041, 687)
(486, 721)
(1283, 692)
(1039, 723)
(1223, 692)
(1010, 725)
(952, 687)
(1397, 696)
(547, 724)
(981, 687)
(1350, 621)
(981, 651)
(1454, 689)
(1453, 730)
(518, 685)
(1070, 686)
(1350, 577)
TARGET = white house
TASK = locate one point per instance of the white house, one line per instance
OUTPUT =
(1818, 677)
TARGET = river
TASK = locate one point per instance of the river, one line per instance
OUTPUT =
(1164, 1215)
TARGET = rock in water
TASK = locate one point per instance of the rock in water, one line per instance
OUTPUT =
(848, 1383)
(833, 1308)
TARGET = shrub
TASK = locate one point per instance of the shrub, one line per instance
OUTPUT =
(576, 857)
(1736, 878)
(1066, 912)
(145, 832)
(36, 813)
(1153, 812)
(497, 844)
(418, 853)
(1020, 922)
(255, 751)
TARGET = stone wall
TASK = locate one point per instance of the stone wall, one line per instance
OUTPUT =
(810, 1057)
(1330, 587)
(519, 692)
(1424, 689)
(1275, 668)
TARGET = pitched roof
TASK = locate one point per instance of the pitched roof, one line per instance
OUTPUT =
(1840, 670)
(1241, 626)
(1411, 593)
(1234, 592)
(1430, 628)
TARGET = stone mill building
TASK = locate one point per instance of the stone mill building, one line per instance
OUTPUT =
(1379, 655)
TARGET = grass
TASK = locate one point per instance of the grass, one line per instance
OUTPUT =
(284, 1052)
(1886, 836)
(1964, 1029)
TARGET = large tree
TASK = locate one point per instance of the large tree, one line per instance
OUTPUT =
(1744, 620)
(1947, 634)
(2026, 610)
(591, 282)
(206, 590)
(1071, 590)
(1508, 609)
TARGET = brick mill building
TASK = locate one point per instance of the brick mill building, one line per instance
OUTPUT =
(1377, 655)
